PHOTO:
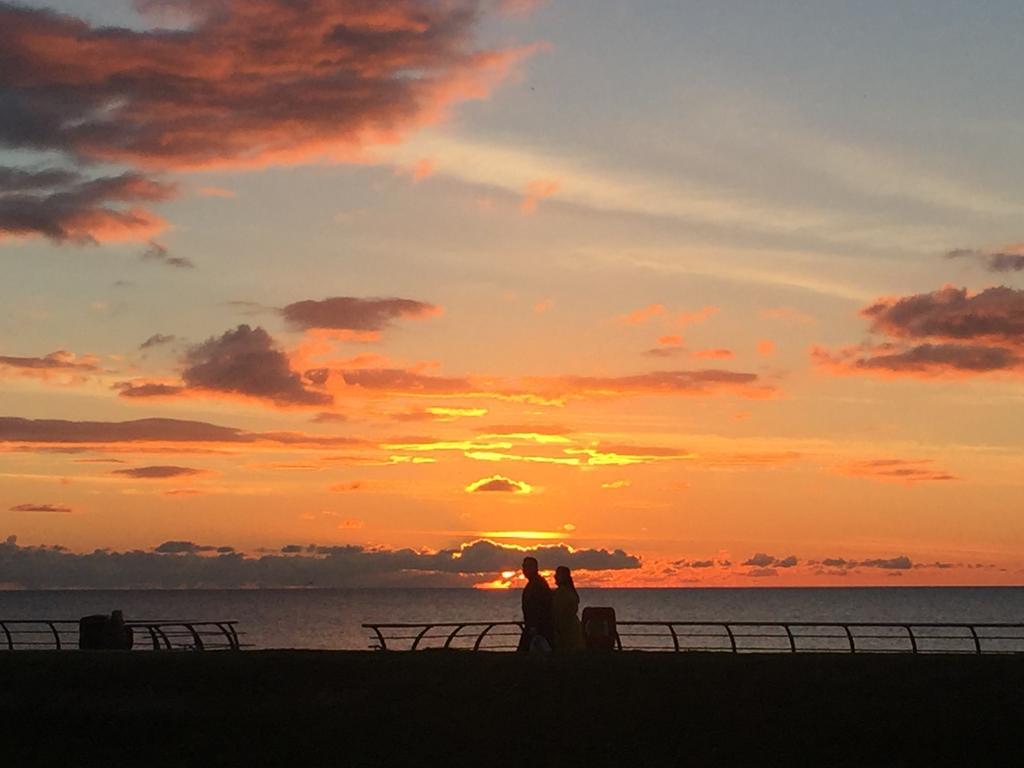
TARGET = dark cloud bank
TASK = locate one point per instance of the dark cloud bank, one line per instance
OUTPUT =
(180, 564)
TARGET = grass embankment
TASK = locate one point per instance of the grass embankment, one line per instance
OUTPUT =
(296, 708)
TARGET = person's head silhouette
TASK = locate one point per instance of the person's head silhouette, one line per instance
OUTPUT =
(530, 567)
(563, 577)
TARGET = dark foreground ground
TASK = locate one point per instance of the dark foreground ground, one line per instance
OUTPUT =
(295, 708)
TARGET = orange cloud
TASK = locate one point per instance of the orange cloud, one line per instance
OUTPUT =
(423, 168)
(62, 366)
(717, 353)
(349, 487)
(216, 192)
(625, 455)
(908, 471)
(766, 347)
(152, 434)
(642, 315)
(537, 191)
(680, 383)
(787, 314)
(519, 7)
(693, 318)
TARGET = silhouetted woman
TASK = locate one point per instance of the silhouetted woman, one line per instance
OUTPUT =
(565, 601)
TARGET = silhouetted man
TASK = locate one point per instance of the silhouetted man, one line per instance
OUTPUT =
(537, 619)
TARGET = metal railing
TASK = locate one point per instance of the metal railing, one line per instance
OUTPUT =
(728, 637)
(62, 634)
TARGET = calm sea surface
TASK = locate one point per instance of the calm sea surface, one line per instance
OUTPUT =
(331, 618)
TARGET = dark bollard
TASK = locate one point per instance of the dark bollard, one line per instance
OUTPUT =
(599, 630)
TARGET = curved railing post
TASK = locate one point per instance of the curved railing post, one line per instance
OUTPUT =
(56, 634)
(849, 636)
(913, 640)
(153, 637)
(416, 642)
(228, 630)
(7, 634)
(196, 638)
(977, 640)
(792, 640)
(380, 637)
(163, 636)
(675, 637)
(482, 635)
(732, 637)
(448, 642)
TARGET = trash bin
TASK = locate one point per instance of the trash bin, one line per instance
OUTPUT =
(92, 632)
(599, 632)
(104, 633)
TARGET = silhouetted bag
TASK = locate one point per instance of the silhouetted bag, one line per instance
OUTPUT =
(599, 632)
(540, 644)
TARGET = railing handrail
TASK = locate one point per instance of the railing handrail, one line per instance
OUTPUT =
(163, 633)
(894, 624)
(128, 622)
(915, 634)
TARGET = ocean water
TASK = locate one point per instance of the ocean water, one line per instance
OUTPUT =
(332, 618)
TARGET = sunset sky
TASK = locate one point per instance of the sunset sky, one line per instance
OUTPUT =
(342, 292)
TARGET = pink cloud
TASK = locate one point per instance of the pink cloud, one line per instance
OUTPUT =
(519, 7)
(267, 80)
(423, 168)
(536, 191)
(235, 83)
(216, 192)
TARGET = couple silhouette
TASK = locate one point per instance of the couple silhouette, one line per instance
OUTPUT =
(549, 616)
